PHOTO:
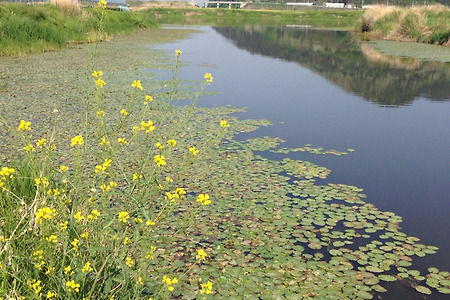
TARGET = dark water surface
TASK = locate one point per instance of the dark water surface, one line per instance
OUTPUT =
(319, 87)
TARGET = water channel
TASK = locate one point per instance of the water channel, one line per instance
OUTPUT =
(320, 88)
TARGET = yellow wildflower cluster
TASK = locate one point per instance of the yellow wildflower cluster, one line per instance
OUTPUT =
(87, 268)
(107, 187)
(36, 286)
(41, 181)
(102, 4)
(201, 254)
(129, 261)
(76, 140)
(171, 142)
(177, 194)
(148, 99)
(24, 125)
(5, 173)
(52, 239)
(72, 286)
(122, 141)
(98, 74)
(206, 288)
(45, 213)
(123, 112)
(224, 124)
(159, 160)
(169, 282)
(29, 148)
(147, 126)
(137, 84)
(177, 52)
(123, 216)
(203, 199)
(93, 215)
(149, 254)
(208, 77)
(102, 168)
(193, 151)
(41, 143)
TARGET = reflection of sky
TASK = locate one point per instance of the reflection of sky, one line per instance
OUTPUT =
(401, 159)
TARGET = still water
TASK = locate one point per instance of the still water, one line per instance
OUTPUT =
(320, 88)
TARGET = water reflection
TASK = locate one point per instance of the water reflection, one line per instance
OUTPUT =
(384, 80)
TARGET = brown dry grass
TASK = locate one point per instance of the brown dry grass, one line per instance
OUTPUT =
(68, 6)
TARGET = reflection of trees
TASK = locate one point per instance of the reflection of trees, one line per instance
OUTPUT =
(332, 55)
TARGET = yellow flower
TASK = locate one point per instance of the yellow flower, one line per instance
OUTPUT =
(102, 168)
(52, 238)
(129, 261)
(76, 140)
(123, 112)
(51, 295)
(38, 254)
(206, 288)
(93, 215)
(100, 83)
(100, 114)
(78, 217)
(138, 220)
(68, 270)
(63, 168)
(97, 74)
(87, 268)
(29, 148)
(122, 141)
(63, 225)
(123, 216)
(137, 84)
(36, 286)
(136, 176)
(76, 244)
(42, 180)
(102, 4)
(208, 77)
(177, 52)
(147, 126)
(105, 188)
(126, 241)
(150, 223)
(85, 235)
(136, 128)
(159, 160)
(194, 151)
(7, 172)
(159, 145)
(40, 143)
(171, 142)
(180, 192)
(72, 286)
(149, 254)
(169, 282)
(148, 99)
(140, 281)
(168, 179)
(45, 213)
(24, 126)
(224, 124)
(203, 199)
(104, 141)
(54, 192)
(201, 254)
(49, 270)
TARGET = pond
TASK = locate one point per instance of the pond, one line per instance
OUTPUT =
(318, 87)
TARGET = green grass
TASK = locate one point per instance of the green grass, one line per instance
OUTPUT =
(228, 17)
(421, 24)
(37, 28)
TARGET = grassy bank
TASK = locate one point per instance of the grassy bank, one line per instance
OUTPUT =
(38, 28)
(223, 17)
(421, 24)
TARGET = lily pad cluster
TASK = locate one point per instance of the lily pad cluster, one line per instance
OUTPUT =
(313, 150)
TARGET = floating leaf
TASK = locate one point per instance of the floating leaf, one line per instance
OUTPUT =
(424, 290)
